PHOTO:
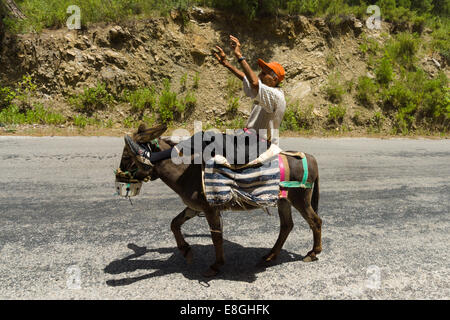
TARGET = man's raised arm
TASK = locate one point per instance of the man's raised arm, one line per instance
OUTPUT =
(248, 72)
(222, 58)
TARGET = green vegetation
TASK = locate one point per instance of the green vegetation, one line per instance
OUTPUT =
(410, 97)
(36, 115)
(440, 42)
(335, 90)
(190, 101)
(183, 81)
(234, 86)
(377, 121)
(297, 118)
(7, 95)
(403, 49)
(129, 122)
(52, 13)
(92, 99)
(290, 119)
(336, 114)
(366, 91)
(141, 99)
(416, 99)
(369, 45)
(384, 72)
(196, 81)
(330, 60)
(400, 90)
(169, 105)
(16, 106)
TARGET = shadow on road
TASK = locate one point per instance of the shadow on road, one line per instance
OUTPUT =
(240, 263)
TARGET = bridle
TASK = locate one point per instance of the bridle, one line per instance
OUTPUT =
(129, 176)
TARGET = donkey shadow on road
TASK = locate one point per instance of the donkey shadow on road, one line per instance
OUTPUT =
(241, 263)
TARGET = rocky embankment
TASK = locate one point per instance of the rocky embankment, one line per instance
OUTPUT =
(141, 53)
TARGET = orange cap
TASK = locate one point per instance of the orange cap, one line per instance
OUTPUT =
(275, 67)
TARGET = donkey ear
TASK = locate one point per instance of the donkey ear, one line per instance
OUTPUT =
(145, 135)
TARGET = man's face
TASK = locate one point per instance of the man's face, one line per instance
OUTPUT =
(268, 77)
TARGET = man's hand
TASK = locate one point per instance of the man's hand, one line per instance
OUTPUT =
(221, 56)
(236, 46)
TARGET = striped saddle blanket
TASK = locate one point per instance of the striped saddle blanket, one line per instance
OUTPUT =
(256, 185)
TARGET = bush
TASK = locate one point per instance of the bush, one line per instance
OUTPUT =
(80, 121)
(92, 99)
(196, 80)
(128, 122)
(440, 42)
(366, 91)
(305, 7)
(233, 105)
(52, 13)
(330, 60)
(336, 114)
(183, 81)
(190, 101)
(436, 100)
(336, 11)
(38, 114)
(7, 95)
(384, 72)
(415, 98)
(25, 90)
(233, 86)
(141, 99)
(169, 105)
(12, 115)
(403, 50)
(334, 90)
(377, 120)
(290, 121)
(369, 45)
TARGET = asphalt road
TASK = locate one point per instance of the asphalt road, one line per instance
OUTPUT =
(65, 235)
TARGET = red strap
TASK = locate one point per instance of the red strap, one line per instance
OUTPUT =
(283, 193)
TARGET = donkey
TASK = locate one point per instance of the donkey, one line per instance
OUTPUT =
(186, 181)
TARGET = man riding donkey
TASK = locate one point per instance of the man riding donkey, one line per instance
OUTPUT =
(290, 179)
(263, 122)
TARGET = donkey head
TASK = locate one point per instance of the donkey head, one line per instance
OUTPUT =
(130, 169)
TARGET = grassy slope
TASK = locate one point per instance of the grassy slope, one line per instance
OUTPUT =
(414, 108)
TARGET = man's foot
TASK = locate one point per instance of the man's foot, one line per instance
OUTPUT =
(142, 152)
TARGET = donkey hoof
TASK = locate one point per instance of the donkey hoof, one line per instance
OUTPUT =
(266, 260)
(269, 257)
(310, 258)
(210, 273)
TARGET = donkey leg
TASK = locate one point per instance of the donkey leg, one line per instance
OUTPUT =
(215, 225)
(301, 200)
(175, 226)
(286, 225)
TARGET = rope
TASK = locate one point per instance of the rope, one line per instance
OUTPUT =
(221, 226)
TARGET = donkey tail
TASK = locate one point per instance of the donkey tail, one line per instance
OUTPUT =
(315, 196)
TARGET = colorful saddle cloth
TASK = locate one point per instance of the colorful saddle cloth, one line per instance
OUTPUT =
(256, 185)
(260, 186)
